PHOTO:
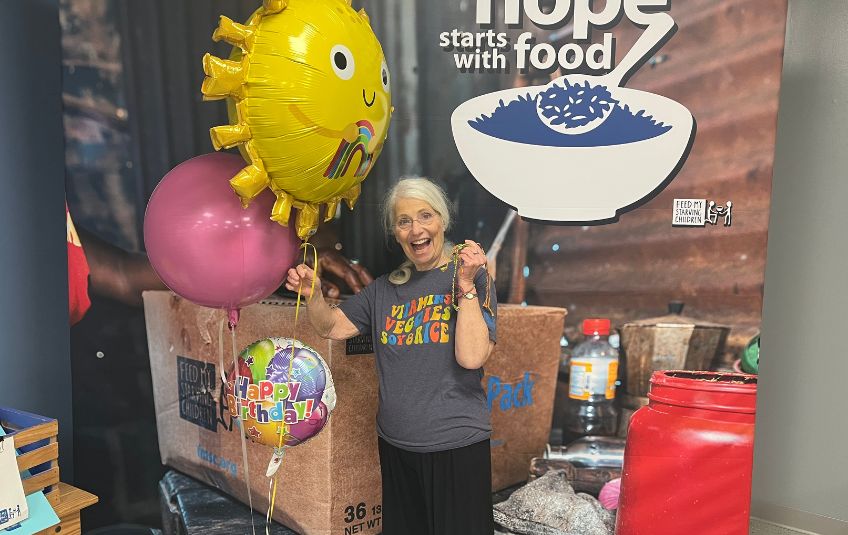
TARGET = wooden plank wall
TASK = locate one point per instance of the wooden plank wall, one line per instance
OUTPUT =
(724, 64)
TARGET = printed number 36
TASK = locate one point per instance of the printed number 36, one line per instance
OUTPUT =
(358, 513)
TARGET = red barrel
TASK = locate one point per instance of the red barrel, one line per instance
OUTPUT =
(689, 456)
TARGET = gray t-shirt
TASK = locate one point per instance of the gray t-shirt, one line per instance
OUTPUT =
(428, 402)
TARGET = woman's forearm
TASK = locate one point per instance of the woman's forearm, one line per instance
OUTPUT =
(328, 322)
(472, 335)
(321, 315)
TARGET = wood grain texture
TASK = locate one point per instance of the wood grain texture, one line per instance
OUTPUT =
(52, 496)
(518, 286)
(38, 456)
(41, 480)
(68, 525)
(71, 501)
(35, 433)
(724, 64)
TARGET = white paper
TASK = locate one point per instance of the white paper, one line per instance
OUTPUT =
(13, 504)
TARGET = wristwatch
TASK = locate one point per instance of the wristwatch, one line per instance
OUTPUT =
(469, 295)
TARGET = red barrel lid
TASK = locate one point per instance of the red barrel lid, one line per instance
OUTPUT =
(593, 326)
(718, 391)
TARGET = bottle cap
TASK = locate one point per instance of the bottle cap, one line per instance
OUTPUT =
(599, 326)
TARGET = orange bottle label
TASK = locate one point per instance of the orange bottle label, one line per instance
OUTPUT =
(588, 379)
(612, 377)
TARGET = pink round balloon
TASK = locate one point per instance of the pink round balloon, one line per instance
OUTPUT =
(205, 246)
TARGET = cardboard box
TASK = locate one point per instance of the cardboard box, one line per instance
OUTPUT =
(331, 485)
(520, 383)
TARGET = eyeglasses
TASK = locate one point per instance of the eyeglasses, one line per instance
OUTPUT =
(424, 219)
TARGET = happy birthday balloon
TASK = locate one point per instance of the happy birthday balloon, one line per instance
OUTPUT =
(281, 401)
(309, 100)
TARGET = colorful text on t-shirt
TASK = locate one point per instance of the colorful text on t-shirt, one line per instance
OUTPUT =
(424, 320)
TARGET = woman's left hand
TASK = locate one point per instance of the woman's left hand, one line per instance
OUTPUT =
(472, 258)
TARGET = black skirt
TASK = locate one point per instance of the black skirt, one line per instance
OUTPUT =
(440, 493)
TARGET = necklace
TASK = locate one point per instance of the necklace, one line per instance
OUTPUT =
(454, 280)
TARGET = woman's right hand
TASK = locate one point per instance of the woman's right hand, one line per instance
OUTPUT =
(300, 278)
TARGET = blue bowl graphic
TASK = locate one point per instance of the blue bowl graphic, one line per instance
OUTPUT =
(552, 176)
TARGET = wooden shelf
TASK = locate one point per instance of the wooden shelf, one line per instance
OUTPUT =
(71, 501)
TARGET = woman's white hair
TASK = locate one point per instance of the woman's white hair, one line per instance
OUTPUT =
(422, 189)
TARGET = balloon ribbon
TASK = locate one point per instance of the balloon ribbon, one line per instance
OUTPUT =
(281, 430)
(239, 421)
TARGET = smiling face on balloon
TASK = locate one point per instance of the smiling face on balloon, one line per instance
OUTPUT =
(310, 103)
(322, 61)
(353, 71)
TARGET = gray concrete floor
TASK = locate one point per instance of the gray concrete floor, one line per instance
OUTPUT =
(758, 527)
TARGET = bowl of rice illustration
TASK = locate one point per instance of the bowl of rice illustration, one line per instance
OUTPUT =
(578, 149)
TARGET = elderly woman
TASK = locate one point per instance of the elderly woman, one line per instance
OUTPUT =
(433, 327)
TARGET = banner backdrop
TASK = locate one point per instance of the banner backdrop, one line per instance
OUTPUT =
(660, 238)
(634, 138)
(677, 211)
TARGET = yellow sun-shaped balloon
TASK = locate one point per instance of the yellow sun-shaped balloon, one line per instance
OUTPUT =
(309, 100)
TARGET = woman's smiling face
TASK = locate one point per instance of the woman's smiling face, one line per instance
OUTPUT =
(420, 231)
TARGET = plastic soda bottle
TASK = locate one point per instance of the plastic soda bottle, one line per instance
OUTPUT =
(591, 392)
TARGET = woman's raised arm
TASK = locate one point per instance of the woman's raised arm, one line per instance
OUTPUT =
(329, 322)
